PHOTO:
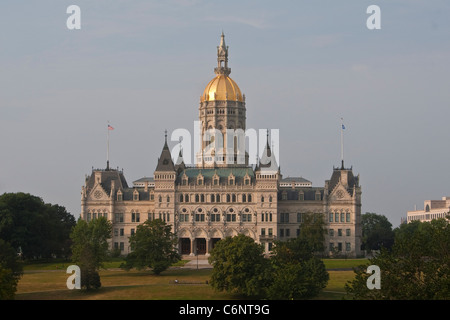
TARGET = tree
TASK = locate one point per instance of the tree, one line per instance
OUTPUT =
(416, 267)
(298, 280)
(298, 273)
(10, 271)
(34, 228)
(90, 249)
(153, 245)
(376, 232)
(239, 266)
(312, 232)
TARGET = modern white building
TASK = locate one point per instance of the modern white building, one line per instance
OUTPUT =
(432, 209)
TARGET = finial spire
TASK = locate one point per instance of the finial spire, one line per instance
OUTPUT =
(222, 58)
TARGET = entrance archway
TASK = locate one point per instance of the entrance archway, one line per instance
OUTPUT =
(214, 241)
(201, 245)
(185, 245)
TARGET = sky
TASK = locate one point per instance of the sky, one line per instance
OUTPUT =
(302, 65)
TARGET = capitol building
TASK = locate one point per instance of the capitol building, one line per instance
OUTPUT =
(222, 194)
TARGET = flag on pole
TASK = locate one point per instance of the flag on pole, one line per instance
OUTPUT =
(110, 128)
(343, 127)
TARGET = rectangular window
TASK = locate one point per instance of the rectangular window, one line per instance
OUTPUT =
(132, 231)
(121, 232)
(288, 232)
(347, 217)
(342, 217)
(263, 231)
(330, 217)
(347, 232)
(299, 217)
(298, 232)
(199, 217)
(331, 246)
(331, 232)
(119, 217)
(284, 217)
(347, 246)
(116, 232)
(270, 232)
(340, 232)
(339, 246)
(122, 246)
(281, 233)
(336, 217)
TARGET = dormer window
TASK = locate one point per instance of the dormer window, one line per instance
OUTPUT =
(216, 180)
(184, 180)
(136, 195)
(119, 196)
(200, 179)
(231, 180)
(247, 179)
(318, 196)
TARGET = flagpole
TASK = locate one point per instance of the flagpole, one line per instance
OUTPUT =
(342, 142)
(107, 148)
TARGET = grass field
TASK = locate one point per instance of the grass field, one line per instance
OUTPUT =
(47, 281)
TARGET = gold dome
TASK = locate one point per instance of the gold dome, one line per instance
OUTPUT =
(222, 87)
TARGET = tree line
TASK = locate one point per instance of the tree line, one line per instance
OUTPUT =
(413, 258)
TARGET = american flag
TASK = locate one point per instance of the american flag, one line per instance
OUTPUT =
(110, 128)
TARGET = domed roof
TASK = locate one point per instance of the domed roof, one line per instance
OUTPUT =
(222, 87)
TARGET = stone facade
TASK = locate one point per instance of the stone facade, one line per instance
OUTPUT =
(216, 199)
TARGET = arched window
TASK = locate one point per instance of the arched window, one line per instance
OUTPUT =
(427, 208)
(244, 198)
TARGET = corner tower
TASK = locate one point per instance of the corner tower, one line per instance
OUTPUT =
(222, 116)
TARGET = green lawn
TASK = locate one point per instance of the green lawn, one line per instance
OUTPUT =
(47, 281)
(343, 263)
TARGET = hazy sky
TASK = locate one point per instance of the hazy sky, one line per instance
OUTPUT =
(302, 65)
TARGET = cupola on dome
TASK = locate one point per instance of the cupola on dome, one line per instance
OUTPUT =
(222, 87)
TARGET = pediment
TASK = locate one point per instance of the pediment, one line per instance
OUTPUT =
(340, 193)
(98, 193)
